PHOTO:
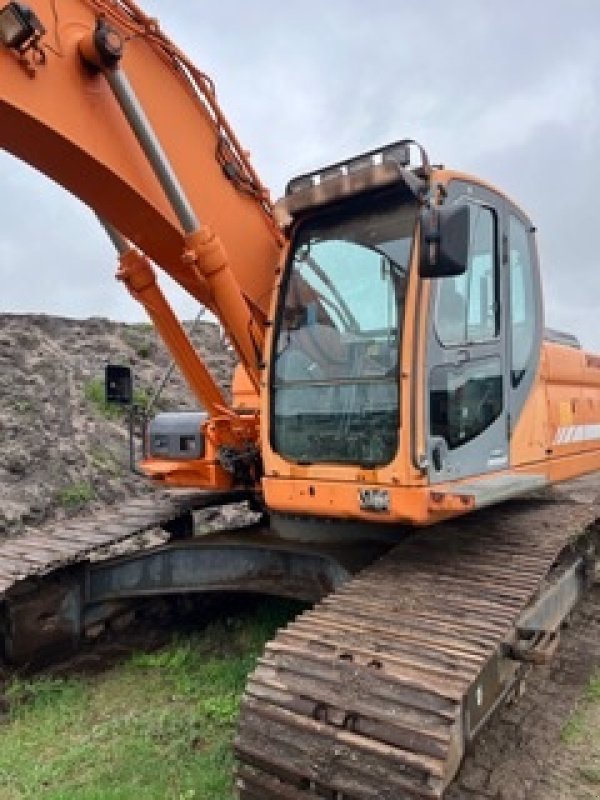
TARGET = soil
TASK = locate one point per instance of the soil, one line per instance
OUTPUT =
(521, 754)
(62, 453)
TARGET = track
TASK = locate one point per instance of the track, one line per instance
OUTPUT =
(45, 575)
(66, 581)
(376, 692)
(40, 552)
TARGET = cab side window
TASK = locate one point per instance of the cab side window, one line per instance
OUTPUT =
(522, 302)
(466, 399)
(467, 307)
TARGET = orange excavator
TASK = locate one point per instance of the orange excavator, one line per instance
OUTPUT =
(394, 371)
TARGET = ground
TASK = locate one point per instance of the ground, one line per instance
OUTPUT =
(143, 715)
(157, 722)
(546, 744)
(146, 714)
(63, 450)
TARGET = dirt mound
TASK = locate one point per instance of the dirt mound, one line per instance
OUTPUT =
(63, 450)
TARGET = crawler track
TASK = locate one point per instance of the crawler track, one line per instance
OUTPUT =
(45, 573)
(41, 552)
(376, 691)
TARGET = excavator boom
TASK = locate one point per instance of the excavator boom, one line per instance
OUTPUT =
(374, 398)
(59, 114)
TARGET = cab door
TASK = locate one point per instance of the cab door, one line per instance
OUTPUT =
(466, 392)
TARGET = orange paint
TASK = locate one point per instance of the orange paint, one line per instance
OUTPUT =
(62, 118)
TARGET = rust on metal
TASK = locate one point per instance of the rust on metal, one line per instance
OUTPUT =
(375, 693)
(45, 550)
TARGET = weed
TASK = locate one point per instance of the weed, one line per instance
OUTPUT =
(222, 709)
(591, 774)
(576, 727)
(179, 658)
(144, 350)
(160, 725)
(137, 339)
(22, 406)
(105, 461)
(77, 494)
(592, 692)
(95, 395)
(141, 397)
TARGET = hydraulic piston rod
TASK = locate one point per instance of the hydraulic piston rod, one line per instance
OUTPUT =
(136, 117)
(137, 274)
(103, 50)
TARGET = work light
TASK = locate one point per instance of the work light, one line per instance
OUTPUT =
(397, 152)
(19, 26)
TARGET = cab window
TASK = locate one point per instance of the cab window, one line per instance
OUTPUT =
(467, 309)
(522, 302)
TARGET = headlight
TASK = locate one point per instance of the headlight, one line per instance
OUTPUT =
(19, 25)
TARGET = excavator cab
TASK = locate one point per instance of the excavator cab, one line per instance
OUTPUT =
(341, 318)
(386, 314)
(402, 351)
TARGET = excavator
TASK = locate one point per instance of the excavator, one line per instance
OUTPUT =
(395, 385)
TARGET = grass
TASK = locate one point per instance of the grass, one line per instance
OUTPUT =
(576, 727)
(76, 494)
(95, 394)
(581, 735)
(160, 726)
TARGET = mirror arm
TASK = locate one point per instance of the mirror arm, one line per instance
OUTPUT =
(432, 236)
(417, 186)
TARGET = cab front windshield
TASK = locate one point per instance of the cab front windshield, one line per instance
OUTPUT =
(335, 395)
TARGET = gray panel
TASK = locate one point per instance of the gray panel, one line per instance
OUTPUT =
(488, 450)
(560, 337)
(177, 434)
(498, 488)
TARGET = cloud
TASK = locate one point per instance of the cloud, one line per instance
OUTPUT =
(508, 91)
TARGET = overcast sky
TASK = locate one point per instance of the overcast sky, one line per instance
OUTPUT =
(509, 91)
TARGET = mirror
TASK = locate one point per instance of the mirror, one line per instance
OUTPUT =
(445, 233)
(118, 385)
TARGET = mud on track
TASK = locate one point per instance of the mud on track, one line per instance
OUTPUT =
(374, 692)
(520, 754)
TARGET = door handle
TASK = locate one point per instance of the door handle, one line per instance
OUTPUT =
(461, 357)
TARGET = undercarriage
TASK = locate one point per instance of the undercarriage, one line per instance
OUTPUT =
(380, 688)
